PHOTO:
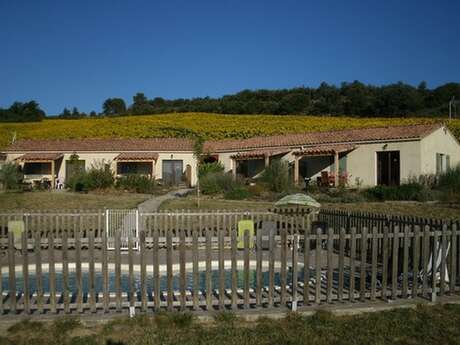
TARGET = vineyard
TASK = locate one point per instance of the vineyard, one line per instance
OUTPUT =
(209, 126)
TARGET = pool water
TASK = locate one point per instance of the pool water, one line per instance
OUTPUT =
(215, 279)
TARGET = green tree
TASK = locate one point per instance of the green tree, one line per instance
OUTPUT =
(114, 106)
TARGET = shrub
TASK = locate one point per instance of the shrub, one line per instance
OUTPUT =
(98, 177)
(277, 177)
(10, 176)
(410, 191)
(449, 184)
(238, 193)
(136, 183)
(206, 168)
(216, 182)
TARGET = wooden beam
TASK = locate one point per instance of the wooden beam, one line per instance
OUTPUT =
(234, 166)
(296, 170)
(53, 175)
(336, 168)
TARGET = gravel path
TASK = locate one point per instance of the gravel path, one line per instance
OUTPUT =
(152, 205)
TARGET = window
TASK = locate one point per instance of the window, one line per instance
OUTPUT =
(37, 168)
(442, 163)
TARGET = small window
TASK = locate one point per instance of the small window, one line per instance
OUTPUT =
(442, 163)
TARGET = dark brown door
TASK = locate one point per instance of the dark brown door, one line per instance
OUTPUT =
(172, 172)
(388, 168)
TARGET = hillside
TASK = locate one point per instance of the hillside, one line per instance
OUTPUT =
(210, 126)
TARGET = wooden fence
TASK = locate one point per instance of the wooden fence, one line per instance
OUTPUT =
(193, 260)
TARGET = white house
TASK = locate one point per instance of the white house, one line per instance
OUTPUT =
(369, 156)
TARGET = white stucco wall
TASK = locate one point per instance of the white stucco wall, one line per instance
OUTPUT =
(95, 158)
(362, 162)
(440, 141)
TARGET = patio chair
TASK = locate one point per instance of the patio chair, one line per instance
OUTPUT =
(437, 266)
(268, 228)
(243, 226)
(17, 228)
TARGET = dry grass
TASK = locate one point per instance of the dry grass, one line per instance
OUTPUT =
(403, 208)
(422, 325)
(68, 200)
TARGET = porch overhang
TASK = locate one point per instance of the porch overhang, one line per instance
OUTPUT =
(258, 154)
(38, 157)
(328, 150)
(324, 150)
(137, 157)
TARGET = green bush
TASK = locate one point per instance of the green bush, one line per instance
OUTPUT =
(10, 177)
(95, 178)
(206, 168)
(410, 192)
(136, 183)
(449, 184)
(216, 182)
(237, 193)
(277, 176)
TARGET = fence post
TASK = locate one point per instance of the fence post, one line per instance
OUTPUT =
(295, 245)
(38, 269)
(351, 293)
(374, 263)
(330, 242)
(92, 287)
(51, 272)
(394, 267)
(11, 272)
(182, 263)
(443, 268)
(246, 269)
(306, 262)
(363, 267)
(234, 270)
(433, 265)
(78, 272)
(405, 262)
(105, 273)
(118, 270)
(283, 273)
(259, 267)
(65, 271)
(25, 270)
(453, 256)
(318, 267)
(169, 272)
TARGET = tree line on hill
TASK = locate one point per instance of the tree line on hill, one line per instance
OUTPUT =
(355, 98)
(22, 112)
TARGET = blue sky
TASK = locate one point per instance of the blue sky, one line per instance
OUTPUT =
(78, 53)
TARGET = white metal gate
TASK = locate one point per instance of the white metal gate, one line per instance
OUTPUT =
(124, 221)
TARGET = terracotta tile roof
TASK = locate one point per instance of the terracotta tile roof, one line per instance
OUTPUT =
(105, 145)
(324, 149)
(137, 156)
(317, 138)
(412, 132)
(40, 157)
(258, 154)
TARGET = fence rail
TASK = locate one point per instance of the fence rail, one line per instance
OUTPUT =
(199, 261)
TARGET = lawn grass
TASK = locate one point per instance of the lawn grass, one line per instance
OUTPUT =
(403, 208)
(69, 200)
(423, 325)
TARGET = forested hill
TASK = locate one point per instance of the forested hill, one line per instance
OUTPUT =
(350, 99)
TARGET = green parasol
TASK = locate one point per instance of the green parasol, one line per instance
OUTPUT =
(299, 200)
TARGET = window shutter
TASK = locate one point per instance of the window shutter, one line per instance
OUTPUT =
(447, 162)
(438, 163)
